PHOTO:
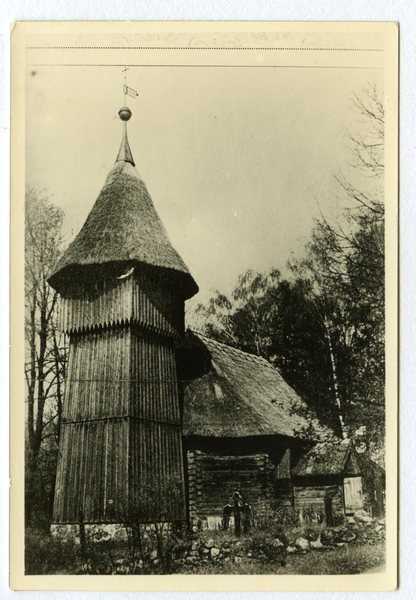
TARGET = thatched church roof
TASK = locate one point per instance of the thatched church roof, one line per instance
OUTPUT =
(229, 393)
(123, 226)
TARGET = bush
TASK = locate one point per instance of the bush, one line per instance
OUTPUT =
(314, 514)
(287, 515)
(339, 518)
(311, 532)
(45, 555)
(272, 546)
(146, 549)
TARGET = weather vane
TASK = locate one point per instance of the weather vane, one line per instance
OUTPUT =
(128, 91)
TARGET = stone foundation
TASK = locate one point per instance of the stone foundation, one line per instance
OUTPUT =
(212, 522)
(95, 532)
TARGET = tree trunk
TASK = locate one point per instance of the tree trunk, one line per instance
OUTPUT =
(32, 377)
(334, 377)
(30, 462)
(43, 339)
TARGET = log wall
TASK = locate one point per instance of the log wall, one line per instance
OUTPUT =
(213, 479)
(313, 495)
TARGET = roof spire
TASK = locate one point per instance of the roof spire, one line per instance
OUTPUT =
(125, 114)
(125, 152)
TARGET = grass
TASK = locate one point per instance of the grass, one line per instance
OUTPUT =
(45, 555)
(349, 560)
(345, 561)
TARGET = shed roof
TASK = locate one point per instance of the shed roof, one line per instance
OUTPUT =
(236, 394)
(329, 458)
(123, 226)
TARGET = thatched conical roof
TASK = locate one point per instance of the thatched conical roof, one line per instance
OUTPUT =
(122, 227)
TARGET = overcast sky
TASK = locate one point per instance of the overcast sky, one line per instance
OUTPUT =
(238, 161)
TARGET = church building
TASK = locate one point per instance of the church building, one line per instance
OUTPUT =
(159, 425)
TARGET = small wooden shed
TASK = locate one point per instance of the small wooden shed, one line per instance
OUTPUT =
(329, 477)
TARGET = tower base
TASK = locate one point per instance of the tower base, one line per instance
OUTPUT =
(95, 532)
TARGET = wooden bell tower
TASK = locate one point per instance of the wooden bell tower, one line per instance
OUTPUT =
(122, 290)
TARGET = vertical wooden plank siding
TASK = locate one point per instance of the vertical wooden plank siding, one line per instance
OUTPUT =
(117, 302)
(121, 447)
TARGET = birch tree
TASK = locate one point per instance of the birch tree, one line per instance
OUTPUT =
(345, 260)
(45, 364)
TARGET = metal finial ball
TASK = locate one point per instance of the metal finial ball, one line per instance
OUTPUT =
(124, 113)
